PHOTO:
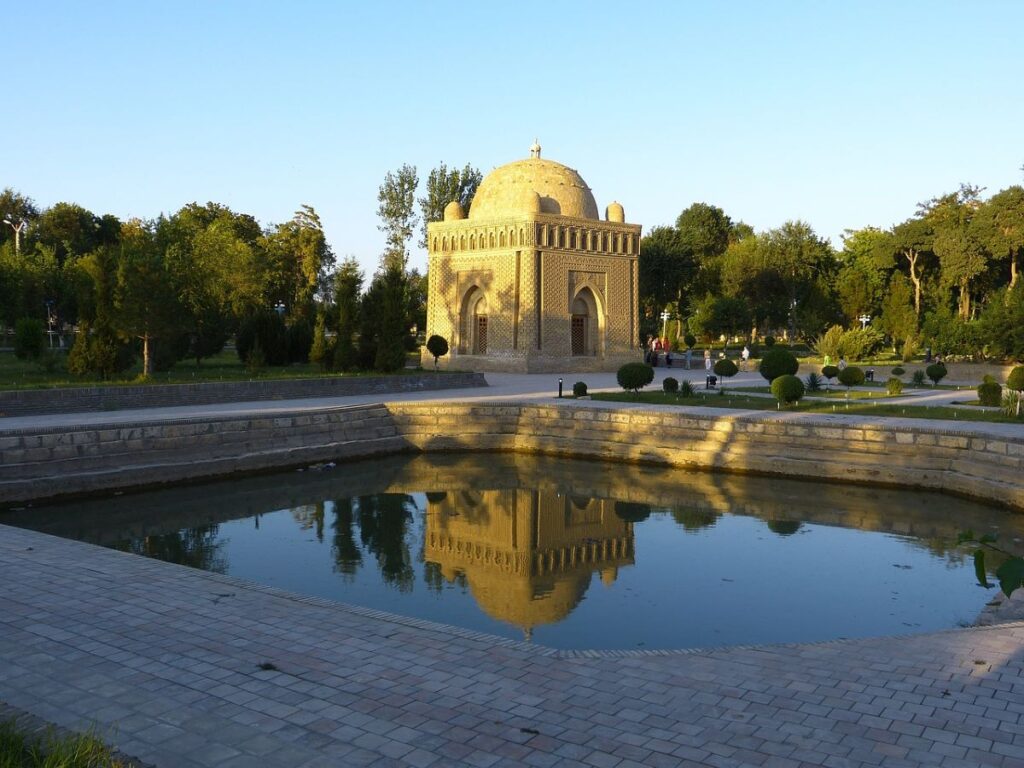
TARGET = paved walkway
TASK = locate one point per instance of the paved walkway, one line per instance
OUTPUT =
(185, 668)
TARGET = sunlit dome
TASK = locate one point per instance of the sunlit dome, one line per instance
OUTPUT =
(510, 189)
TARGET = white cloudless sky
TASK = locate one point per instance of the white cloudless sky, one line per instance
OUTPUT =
(841, 114)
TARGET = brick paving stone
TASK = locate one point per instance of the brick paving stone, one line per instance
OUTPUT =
(139, 648)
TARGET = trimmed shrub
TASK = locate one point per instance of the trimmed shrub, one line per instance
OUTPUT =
(29, 338)
(917, 378)
(686, 388)
(438, 347)
(787, 388)
(635, 376)
(690, 340)
(726, 367)
(812, 382)
(851, 376)
(579, 389)
(894, 386)
(769, 341)
(778, 362)
(830, 372)
(670, 384)
(898, 370)
(936, 372)
(1015, 380)
(990, 392)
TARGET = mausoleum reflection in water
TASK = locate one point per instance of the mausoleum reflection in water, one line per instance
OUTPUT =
(572, 554)
(527, 556)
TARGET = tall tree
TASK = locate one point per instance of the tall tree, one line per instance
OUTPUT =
(899, 319)
(911, 243)
(397, 218)
(348, 284)
(958, 244)
(297, 261)
(805, 264)
(146, 307)
(1001, 226)
(445, 185)
(860, 281)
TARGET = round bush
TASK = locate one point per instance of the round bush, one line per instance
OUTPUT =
(579, 389)
(635, 376)
(851, 376)
(1015, 380)
(437, 346)
(936, 372)
(898, 370)
(769, 341)
(670, 384)
(689, 339)
(787, 388)
(726, 367)
(830, 371)
(990, 393)
(777, 362)
(894, 386)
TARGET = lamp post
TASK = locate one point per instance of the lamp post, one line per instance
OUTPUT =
(279, 308)
(864, 320)
(18, 228)
(664, 323)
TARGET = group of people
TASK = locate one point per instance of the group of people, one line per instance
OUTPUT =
(655, 347)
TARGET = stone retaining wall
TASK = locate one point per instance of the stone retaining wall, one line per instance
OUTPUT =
(81, 399)
(45, 463)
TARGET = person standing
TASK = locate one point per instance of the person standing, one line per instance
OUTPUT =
(745, 355)
(689, 357)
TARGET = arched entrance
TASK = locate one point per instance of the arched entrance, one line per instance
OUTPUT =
(474, 322)
(584, 328)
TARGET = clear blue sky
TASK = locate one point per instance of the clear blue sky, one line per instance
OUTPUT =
(843, 114)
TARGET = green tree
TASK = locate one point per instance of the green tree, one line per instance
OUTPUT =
(958, 243)
(297, 261)
(145, 305)
(445, 185)
(860, 281)
(805, 265)
(395, 199)
(1000, 223)
(899, 320)
(348, 284)
(392, 328)
(911, 243)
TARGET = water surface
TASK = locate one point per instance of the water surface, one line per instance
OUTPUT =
(571, 554)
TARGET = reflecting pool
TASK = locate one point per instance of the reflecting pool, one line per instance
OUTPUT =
(571, 554)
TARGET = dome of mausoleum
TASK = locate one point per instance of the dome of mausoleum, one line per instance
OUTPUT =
(507, 190)
(453, 211)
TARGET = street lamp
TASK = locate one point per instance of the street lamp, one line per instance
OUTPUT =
(864, 320)
(664, 323)
(18, 228)
(279, 308)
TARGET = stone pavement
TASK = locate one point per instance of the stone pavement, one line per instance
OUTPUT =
(185, 668)
(166, 662)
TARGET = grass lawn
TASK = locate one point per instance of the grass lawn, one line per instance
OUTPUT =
(20, 750)
(836, 393)
(225, 366)
(736, 400)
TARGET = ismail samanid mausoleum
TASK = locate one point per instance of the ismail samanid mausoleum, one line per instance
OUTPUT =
(533, 279)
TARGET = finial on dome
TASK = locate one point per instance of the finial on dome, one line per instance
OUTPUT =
(535, 149)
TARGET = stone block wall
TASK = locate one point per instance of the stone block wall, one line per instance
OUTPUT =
(966, 461)
(109, 398)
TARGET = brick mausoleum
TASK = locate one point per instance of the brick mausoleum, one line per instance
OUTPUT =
(533, 279)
